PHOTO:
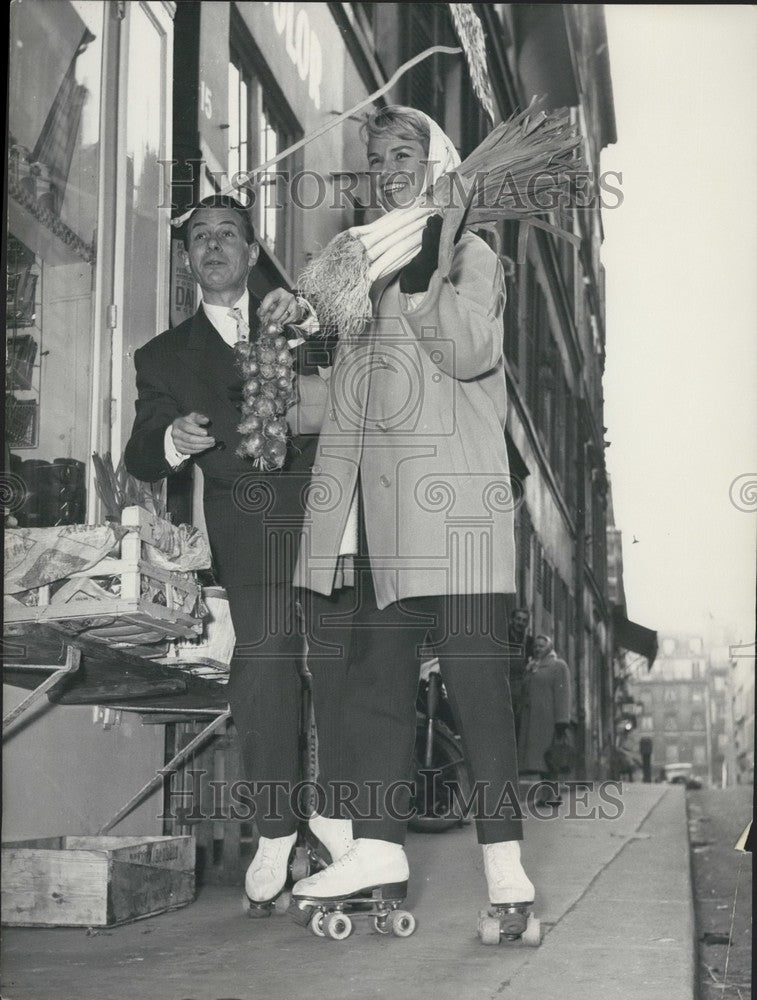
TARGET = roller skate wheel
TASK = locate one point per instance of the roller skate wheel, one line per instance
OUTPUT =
(402, 923)
(338, 926)
(381, 923)
(532, 934)
(316, 923)
(255, 911)
(300, 914)
(488, 929)
(283, 902)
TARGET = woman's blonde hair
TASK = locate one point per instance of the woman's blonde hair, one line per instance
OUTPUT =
(407, 123)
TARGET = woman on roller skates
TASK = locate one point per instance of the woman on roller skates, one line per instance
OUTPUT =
(411, 477)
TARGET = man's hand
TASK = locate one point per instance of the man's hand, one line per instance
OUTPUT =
(280, 307)
(189, 435)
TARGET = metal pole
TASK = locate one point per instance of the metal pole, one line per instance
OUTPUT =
(73, 659)
(170, 767)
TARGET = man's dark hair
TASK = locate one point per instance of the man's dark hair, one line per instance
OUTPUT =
(222, 201)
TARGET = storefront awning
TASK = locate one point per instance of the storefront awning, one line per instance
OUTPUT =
(633, 637)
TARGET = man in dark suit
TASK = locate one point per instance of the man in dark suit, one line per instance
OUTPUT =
(188, 409)
(521, 651)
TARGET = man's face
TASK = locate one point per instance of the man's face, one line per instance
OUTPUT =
(520, 620)
(218, 255)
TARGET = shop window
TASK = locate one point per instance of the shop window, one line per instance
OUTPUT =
(261, 126)
(671, 722)
(671, 694)
(699, 755)
(53, 172)
(647, 723)
(697, 720)
(697, 695)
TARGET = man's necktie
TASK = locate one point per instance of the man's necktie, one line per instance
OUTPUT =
(243, 330)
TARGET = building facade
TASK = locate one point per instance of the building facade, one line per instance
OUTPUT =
(741, 694)
(684, 710)
(121, 113)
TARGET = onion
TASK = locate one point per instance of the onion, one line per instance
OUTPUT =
(264, 407)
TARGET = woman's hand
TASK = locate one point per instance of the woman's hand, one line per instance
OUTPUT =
(415, 276)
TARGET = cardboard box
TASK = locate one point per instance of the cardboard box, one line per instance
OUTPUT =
(95, 881)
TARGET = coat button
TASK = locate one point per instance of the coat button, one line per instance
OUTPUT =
(436, 377)
(317, 470)
(332, 414)
(385, 481)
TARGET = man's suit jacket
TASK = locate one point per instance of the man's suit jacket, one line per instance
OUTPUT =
(253, 518)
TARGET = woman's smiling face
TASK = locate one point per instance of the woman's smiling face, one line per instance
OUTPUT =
(399, 167)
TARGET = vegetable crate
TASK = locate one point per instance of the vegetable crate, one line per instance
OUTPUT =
(95, 881)
(125, 598)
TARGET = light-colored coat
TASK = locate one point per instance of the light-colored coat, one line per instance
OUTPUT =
(416, 406)
(545, 701)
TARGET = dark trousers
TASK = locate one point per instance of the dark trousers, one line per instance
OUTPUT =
(365, 665)
(265, 697)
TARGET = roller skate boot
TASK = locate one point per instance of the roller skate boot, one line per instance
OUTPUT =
(267, 875)
(369, 880)
(511, 896)
(333, 834)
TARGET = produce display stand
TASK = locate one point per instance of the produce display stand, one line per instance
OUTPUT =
(88, 636)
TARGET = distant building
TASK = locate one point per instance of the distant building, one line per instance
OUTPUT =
(684, 709)
(741, 693)
(634, 649)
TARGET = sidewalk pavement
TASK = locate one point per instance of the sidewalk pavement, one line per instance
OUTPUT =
(614, 897)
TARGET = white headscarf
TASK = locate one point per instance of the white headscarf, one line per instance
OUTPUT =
(442, 155)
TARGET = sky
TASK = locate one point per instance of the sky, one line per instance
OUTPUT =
(681, 275)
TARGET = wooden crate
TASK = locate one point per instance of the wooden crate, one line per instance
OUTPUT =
(95, 881)
(153, 604)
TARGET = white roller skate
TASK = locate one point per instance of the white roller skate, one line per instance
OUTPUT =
(267, 875)
(511, 896)
(369, 880)
(333, 834)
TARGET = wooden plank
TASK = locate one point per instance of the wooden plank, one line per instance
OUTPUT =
(60, 888)
(134, 893)
(95, 881)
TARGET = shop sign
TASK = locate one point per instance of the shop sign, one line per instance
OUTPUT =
(183, 286)
(301, 43)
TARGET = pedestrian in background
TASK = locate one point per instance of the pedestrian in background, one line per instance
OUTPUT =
(521, 651)
(545, 713)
